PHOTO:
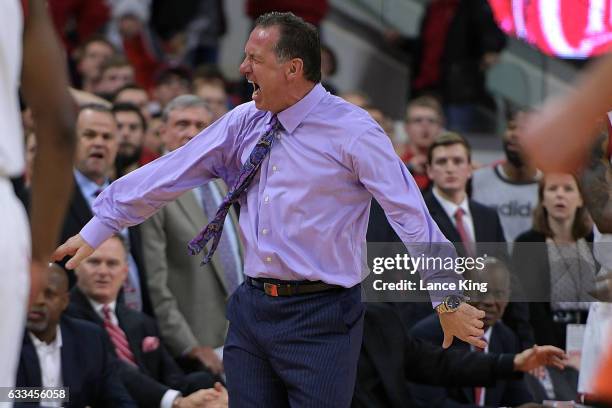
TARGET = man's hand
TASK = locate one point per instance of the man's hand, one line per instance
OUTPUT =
(75, 247)
(538, 356)
(464, 323)
(208, 398)
(208, 357)
(217, 397)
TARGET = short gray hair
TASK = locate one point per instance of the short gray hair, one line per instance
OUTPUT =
(183, 102)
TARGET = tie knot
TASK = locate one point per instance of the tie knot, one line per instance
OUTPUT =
(459, 213)
(106, 311)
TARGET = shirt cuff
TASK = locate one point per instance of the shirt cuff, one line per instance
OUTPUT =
(95, 232)
(168, 398)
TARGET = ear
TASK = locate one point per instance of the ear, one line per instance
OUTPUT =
(295, 68)
(65, 301)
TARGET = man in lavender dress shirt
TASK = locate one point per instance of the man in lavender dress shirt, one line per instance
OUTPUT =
(303, 220)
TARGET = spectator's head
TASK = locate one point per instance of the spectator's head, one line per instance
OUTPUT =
(449, 165)
(560, 204)
(91, 55)
(135, 95)
(283, 58)
(170, 83)
(45, 313)
(182, 119)
(424, 122)
(208, 74)
(495, 299)
(215, 97)
(131, 128)
(115, 72)
(357, 98)
(101, 275)
(385, 123)
(515, 127)
(153, 140)
(97, 142)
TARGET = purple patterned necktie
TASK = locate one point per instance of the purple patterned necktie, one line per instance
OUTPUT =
(214, 228)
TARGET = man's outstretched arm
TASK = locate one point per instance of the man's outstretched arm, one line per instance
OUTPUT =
(44, 85)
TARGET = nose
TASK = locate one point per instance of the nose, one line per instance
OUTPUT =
(245, 67)
(40, 299)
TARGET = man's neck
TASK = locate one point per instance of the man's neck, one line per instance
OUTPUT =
(454, 196)
(47, 336)
(297, 93)
(519, 174)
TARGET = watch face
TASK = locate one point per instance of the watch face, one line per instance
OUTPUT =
(453, 301)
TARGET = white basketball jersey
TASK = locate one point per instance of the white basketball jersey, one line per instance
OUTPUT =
(11, 136)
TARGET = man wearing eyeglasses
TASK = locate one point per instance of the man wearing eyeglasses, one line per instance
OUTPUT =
(424, 123)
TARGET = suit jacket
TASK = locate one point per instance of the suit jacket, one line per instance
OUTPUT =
(157, 372)
(88, 368)
(188, 299)
(390, 357)
(79, 213)
(487, 226)
(502, 393)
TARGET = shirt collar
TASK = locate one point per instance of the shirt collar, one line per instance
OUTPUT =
(98, 306)
(449, 207)
(56, 344)
(87, 186)
(291, 117)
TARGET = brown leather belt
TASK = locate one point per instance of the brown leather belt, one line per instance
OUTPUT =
(274, 287)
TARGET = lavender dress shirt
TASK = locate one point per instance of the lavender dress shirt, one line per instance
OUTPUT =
(305, 215)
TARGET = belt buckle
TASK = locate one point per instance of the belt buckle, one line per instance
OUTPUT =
(271, 289)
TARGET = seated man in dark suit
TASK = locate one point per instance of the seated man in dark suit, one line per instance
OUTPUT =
(390, 357)
(150, 374)
(499, 337)
(74, 352)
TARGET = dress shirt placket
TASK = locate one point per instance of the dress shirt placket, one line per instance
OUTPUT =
(267, 195)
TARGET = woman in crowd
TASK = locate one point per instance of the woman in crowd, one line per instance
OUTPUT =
(557, 273)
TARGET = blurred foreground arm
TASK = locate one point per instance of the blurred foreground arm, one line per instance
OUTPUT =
(44, 85)
(559, 137)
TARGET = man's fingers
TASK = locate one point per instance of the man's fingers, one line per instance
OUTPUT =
(476, 341)
(62, 251)
(476, 332)
(478, 323)
(448, 340)
(82, 253)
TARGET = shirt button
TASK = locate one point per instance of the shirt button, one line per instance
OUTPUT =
(269, 259)
(267, 198)
(278, 136)
(274, 168)
(264, 231)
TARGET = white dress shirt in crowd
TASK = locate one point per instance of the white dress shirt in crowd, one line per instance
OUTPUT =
(450, 209)
(50, 361)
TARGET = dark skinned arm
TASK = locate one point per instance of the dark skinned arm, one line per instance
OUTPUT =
(44, 85)
(596, 183)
